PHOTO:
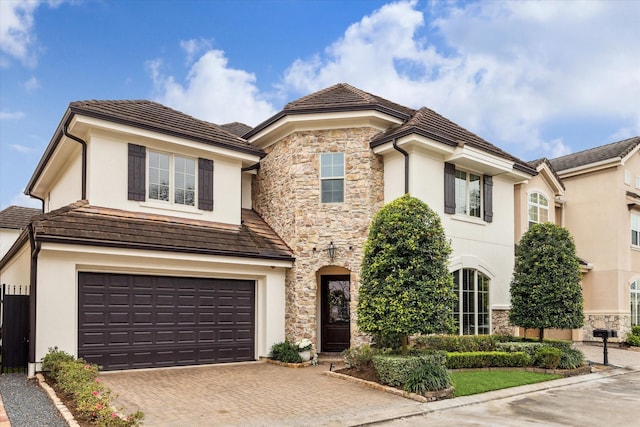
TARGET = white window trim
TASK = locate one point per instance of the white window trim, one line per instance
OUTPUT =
(538, 206)
(343, 177)
(460, 215)
(171, 204)
(476, 272)
(635, 293)
(637, 246)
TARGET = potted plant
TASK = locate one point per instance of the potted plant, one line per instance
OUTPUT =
(304, 349)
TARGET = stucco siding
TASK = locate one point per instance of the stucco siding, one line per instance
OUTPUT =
(17, 270)
(67, 187)
(7, 237)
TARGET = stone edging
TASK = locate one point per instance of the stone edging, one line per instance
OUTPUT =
(64, 411)
(288, 365)
(430, 395)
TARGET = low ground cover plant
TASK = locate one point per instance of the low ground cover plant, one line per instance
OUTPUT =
(79, 382)
(633, 339)
(285, 352)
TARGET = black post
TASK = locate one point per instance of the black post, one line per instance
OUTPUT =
(606, 352)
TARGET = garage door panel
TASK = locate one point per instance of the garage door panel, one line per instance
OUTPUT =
(129, 321)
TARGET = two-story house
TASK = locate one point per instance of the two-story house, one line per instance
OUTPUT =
(166, 240)
(602, 212)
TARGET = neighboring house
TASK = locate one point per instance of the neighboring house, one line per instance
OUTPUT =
(12, 220)
(145, 256)
(602, 212)
(166, 240)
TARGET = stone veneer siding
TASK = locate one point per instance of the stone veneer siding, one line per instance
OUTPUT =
(617, 322)
(500, 324)
(286, 193)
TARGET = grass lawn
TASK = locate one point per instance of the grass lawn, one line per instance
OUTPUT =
(473, 382)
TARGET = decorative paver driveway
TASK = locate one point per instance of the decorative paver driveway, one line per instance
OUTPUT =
(253, 394)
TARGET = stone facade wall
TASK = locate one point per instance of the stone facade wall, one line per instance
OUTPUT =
(500, 324)
(286, 193)
(617, 322)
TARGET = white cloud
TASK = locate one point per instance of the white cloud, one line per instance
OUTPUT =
(212, 91)
(16, 115)
(31, 84)
(194, 47)
(21, 199)
(21, 148)
(504, 70)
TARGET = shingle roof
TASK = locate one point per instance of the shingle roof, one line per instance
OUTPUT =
(17, 217)
(339, 97)
(81, 223)
(615, 150)
(428, 123)
(236, 128)
(535, 163)
(154, 116)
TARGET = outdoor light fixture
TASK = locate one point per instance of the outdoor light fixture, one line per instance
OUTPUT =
(331, 250)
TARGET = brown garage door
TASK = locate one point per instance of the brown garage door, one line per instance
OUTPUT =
(135, 321)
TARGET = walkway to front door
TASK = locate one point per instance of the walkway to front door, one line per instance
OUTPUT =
(335, 316)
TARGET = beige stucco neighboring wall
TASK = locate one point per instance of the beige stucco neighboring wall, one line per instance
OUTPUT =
(287, 195)
(7, 238)
(17, 270)
(57, 288)
(537, 184)
(598, 217)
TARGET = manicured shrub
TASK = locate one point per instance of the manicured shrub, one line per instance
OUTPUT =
(547, 357)
(285, 352)
(633, 338)
(394, 370)
(79, 380)
(428, 377)
(487, 359)
(571, 359)
(359, 358)
(526, 347)
(459, 343)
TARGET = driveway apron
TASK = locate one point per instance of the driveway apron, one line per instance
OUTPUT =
(251, 394)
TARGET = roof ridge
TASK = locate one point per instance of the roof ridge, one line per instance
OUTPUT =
(599, 147)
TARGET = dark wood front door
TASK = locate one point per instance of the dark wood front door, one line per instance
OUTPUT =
(335, 295)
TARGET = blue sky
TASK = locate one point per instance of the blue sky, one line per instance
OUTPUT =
(537, 79)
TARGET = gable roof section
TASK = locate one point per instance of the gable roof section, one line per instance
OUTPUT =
(341, 97)
(83, 224)
(426, 122)
(158, 118)
(17, 217)
(236, 128)
(544, 161)
(613, 151)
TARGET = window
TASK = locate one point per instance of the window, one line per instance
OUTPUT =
(635, 229)
(332, 177)
(468, 193)
(635, 303)
(471, 311)
(538, 209)
(172, 178)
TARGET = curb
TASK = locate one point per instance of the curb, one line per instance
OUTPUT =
(64, 412)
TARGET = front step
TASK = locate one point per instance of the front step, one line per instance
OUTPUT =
(331, 358)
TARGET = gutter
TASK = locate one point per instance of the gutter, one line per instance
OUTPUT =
(406, 164)
(65, 131)
(33, 282)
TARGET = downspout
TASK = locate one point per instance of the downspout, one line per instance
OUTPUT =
(84, 157)
(406, 164)
(33, 281)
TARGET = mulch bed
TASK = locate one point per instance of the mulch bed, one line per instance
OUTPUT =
(68, 401)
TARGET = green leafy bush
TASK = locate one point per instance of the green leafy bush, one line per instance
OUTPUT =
(428, 377)
(359, 358)
(526, 347)
(395, 370)
(633, 338)
(571, 359)
(486, 359)
(460, 343)
(547, 357)
(80, 381)
(285, 352)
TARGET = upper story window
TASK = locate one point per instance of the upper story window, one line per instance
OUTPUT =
(332, 177)
(468, 193)
(172, 178)
(635, 229)
(538, 209)
(169, 178)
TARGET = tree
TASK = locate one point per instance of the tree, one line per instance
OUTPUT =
(545, 288)
(406, 285)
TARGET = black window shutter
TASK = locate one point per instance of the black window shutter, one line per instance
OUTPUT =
(488, 198)
(449, 188)
(205, 184)
(137, 172)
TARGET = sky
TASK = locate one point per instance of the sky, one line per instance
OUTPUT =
(536, 78)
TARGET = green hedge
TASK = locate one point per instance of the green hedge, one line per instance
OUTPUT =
(395, 370)
(633, 338)
(525, 347)
(460, 343)
(486, 359)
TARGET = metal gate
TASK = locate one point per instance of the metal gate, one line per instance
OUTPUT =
(14, 330)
